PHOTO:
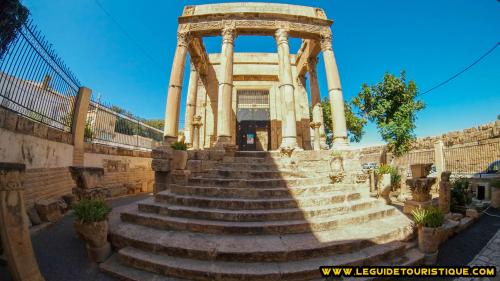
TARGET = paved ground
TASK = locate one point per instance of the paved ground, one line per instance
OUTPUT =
(61, 255)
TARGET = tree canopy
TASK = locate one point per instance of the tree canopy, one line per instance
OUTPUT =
(392, 106)
(12, 16)
(354, 123)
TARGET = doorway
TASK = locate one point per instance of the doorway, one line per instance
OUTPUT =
(253, 127)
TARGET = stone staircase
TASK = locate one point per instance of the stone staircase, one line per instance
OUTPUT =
(258, 216)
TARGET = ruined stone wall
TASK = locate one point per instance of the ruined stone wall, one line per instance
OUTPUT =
(125, 171)
(48, 154)
(467, 152)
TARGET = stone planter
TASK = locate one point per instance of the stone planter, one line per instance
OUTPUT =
(179, 159)
(95, 235)
(429, 239)
(420, 170)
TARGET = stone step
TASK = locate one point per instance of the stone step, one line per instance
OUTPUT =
(250, 174)
(255, 193)
(257, 183)
(150, 206)
(250, 160)
(268, 227)
(321, 199)
(253, 248)
(220, 270)
(258, 154)
(113, 267)
(256, 167)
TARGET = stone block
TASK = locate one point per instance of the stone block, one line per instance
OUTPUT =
(160, 165)
(180, 176)
(34, 217)
(40, 130)
(10, 122)
(194, 166)
(160, 153)
(70, 199)
(24, 126)
(216, 155)
(158, 187)
(202, 154)
(63, 206)
(48, 210)
(191, 154)
(54, 134)
(2, 117)
(87, 177)
(472, 213)
(464, 223)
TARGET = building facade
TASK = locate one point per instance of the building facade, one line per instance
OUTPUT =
(258, 101)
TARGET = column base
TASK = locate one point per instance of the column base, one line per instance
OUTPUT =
(221, 141)
(341, 146)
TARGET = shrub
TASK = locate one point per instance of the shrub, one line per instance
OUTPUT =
(460, 195)
(87, 211)
(386, 169)
(178, 145)
(431, 217)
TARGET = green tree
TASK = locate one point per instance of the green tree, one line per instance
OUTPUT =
(155, 123)
(392, 106)
(498, 117)
(354, 123)
(12, 16)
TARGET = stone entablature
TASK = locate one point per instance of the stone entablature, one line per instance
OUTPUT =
(217, 76)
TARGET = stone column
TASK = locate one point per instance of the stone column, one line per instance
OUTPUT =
(225, 93)
(175, 89)
(79, 122)
(317, 110)
(317, 143)
(334, 91)
(289, 122)
(196, 132)
(16, 240)
(439, 158)
(191, 103)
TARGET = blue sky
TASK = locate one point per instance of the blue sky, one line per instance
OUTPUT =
(430, 39)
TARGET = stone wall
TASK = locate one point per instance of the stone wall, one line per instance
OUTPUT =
(48, 153)
(466, 152)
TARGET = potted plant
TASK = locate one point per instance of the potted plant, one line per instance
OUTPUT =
(179, 156)
(429, 222)
(91, 225)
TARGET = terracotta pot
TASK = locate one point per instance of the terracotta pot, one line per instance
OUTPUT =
(429, 239)
(95, 234)
(179, 159)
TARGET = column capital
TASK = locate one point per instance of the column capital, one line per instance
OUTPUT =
(183, 38)
(326, 41)
(281, 35)
(228, 32)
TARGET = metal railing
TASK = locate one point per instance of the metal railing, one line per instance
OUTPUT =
(35, 83)
(107, 126)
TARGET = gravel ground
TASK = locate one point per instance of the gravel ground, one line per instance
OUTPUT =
(61, 255)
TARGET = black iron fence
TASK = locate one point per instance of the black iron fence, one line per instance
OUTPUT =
(35, 83)
(106, 125)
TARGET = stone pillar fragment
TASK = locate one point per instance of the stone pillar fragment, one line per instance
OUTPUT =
(334, 91)
(317, 110)
(196, 131)
(79, 122)
(191, 104)
(16, 240)
(445, 192)
(225, 86)
(175, 88)
(289, 121)
(315, 126)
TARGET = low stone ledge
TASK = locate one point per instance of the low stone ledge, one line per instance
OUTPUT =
(115, 150)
